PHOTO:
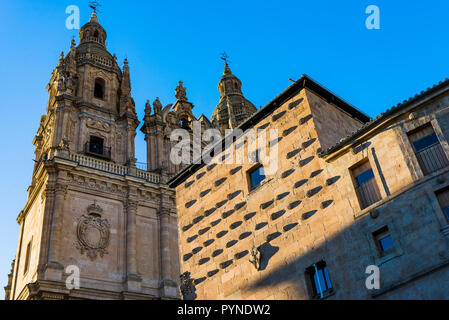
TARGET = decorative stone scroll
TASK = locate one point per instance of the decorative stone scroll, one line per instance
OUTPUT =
(93, 233)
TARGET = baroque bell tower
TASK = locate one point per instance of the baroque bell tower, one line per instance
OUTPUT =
(91, 215)
(233, 108)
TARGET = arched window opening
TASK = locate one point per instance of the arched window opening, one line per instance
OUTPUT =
(185, 124)
(99, 88)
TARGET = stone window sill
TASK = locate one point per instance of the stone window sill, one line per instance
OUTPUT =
(326, 295)
(388, 256)
(259, 187)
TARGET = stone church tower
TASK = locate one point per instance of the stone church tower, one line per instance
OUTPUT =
(89, 208)
(159, 125)
(233, 108)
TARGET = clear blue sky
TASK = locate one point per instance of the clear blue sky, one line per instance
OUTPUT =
(167, 41)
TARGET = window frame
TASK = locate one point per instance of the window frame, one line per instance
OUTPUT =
(250, 173)
(381, 234)
(26, 266)
(357, 186)
(431, 158)
(445, 214)
(311, 271)
(102, 83)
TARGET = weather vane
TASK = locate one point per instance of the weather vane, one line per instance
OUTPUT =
(94, 5)
(225, 57)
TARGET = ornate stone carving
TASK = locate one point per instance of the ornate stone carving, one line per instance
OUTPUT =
(255, 258)
(157, 105)
(187, 288)
(181, 92)
(93, 233)
(99, 125)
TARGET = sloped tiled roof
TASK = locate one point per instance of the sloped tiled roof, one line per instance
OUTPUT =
(303, 82)
(384, 115)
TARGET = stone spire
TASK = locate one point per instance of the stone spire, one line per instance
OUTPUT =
(93, 31)
(127, 105)
(233, 108)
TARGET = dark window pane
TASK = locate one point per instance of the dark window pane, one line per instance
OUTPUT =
(446, 212)
(386, 243)
(96, 145)
(365, 177)
(328, 278)
(257, 177)
(321, 283)
(425, 142)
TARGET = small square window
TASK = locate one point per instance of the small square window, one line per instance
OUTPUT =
(256, 177)
(384, 240)
(443, 199)
(320, 280)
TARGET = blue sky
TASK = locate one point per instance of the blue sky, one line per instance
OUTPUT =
(167, 41)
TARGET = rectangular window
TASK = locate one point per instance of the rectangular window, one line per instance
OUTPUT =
(27, 258)
(443, 198)
(383, 239)
(365, 185)
(428, 150)
(320, 280)
(256, 177)
(95, 147)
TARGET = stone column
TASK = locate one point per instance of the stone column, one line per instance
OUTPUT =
(165, 243)
(82, 138)
(54, 269)
(159, 147)
(169, 288)
(149, 151)
(132, 278)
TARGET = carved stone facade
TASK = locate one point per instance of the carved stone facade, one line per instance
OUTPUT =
(88, 206)
(233, 108)
(349, 192)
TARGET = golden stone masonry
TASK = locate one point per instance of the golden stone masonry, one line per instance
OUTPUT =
(350, 193)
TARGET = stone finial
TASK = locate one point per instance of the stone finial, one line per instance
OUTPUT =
(181, 92)
(61, 59)
(157, 106)
(148, 108)
(227, 70)
(94, 18)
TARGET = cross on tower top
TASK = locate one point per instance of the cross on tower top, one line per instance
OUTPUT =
(94, 5)
(225, 57)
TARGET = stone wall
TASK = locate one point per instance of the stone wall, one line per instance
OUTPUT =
(309, 212)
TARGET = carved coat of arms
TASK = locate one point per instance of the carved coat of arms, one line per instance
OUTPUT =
(93, 233)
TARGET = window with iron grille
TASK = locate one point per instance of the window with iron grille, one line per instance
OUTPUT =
(443, 199)
(428, 150)
(365, 185)
(320, 280)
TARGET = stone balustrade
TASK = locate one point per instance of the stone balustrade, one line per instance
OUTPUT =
(111, 167)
